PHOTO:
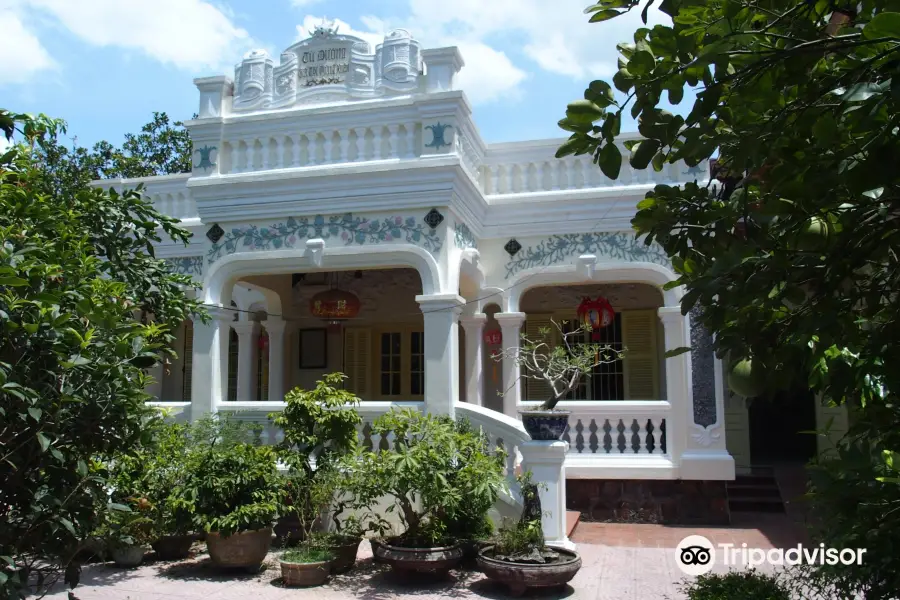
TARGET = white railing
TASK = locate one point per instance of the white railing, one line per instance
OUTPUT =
(502, 431)
(542, 172)
(176, 204)
(264, 152)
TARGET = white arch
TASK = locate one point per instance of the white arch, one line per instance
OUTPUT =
(271, 298)
(600, 272)
(227, 270)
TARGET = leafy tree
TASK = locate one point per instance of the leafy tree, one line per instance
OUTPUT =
(792, 251)
(85, 308)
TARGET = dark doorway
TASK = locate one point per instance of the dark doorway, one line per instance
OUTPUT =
(776, 425)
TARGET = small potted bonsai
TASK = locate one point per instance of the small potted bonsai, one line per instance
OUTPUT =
(233, 490)
(519, 557)
(310, 563)
(127, 531)
(433, 470)
(560, 367)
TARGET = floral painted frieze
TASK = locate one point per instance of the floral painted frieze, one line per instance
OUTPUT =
(186, 265)
(347, 228)
(556, 248)
(463, 236)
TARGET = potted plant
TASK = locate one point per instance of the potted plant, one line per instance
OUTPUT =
(559, 366)
(519, 557)
(233, 490)
(310, 563)
(126, 532)
(320, 432)
(163, 470)
(432, 471)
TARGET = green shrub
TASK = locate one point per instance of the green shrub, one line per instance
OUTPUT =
(737, 585)
(306, 554)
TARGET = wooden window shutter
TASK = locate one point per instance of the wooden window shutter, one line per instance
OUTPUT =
(188, 361)
(537, 389)
(357, 350)
(641, 361)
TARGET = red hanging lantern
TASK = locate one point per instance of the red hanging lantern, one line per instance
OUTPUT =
(263, 342)
(334, 305)
(595, 314)
(493, 338)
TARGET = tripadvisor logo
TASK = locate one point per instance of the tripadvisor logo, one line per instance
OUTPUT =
(696, 555)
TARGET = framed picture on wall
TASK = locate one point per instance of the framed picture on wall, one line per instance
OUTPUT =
(313, 349)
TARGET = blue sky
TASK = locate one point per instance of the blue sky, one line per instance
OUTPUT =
(106, 65)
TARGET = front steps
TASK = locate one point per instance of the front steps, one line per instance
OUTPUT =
(572, 519)
(755, 492)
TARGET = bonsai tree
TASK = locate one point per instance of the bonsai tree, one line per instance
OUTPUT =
(437, 471)
(522, 541)
(560, 366)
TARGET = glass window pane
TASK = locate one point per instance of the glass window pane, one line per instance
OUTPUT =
(385, 384)
(395, 343)
(395, 383)
(395, 363)
(385, 343)
(385, 363)
(415, 387)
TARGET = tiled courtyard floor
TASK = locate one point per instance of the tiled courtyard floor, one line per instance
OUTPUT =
(621, 562)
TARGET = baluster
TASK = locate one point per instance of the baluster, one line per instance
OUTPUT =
(657, 436)
(394, 150)
(593, 439)
(279, 149)
(359, 143)
(541, 176)
(554, 175)
(625, 175)
(251, 151)
(295, 149)
(387, 441)
(235, 165)
(314, 150)
(567, 438)
(367, 436)
(636, 440)
(264, 148)
(620, 437)
(607, 436)
(495, 179)
(579, 436)
(510, 180)
(410, 129)
(328, 148)
(344, 146)
(376, 143)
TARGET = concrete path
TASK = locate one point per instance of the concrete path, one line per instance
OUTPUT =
(619, 562)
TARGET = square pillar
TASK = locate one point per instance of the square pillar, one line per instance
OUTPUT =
(155, 388)
(511, 328)
(473, 325)
(210, 361)
(441, 316)
(676, 328)
(275, 327)
(546, 461)
(248, 338)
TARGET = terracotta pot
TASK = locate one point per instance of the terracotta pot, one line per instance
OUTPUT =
(545, 425)
(173, 547)
(127, 556)
(305, 573)
(246, 549)
(421, 560)
(519, 577)
(344, 554)
(375, 543)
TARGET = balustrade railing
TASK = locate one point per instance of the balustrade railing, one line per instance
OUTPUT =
(263, 152)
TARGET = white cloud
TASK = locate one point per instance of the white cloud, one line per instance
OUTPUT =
(189, 34)
(22, 56)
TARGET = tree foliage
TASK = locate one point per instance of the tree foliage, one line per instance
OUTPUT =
(85, 308)
(792, 250)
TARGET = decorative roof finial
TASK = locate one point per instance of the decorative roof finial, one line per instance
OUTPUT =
(327, 28)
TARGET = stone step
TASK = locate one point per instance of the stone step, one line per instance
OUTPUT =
(572, 519)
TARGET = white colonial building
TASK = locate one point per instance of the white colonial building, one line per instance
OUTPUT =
(360, 169)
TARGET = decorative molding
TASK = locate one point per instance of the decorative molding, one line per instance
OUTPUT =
(703, 376)
(556, 248)
(463, 236)
(437, 135)
(348, 228)
(205, 163)
(186, 265)
(706, 436)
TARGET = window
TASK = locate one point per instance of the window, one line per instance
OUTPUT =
(391, 368)
(417, 363)
(188, 354)
(607, 381)
(262, 367)
(232, 364)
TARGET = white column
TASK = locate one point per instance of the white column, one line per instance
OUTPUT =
(275, 327)
(410, 129)
(155, 388)
(546, 461)
(510, 329)
(248, 338)
(473, 325)
(210, 362)
(441, 316)
(676, 328)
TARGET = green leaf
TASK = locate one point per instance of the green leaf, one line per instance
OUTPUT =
(43, 440)
(604, 15)
(13, 281)
(35, 413)
(610, 160)
(600, 93)
(883, 25)
(677, 351)
(571, 146)
(574, 126)
(584, 111)
(643, 152)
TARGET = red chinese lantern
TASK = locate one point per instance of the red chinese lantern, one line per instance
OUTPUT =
(493, 338)
(263, 342)
(334, 305)
(595, 314)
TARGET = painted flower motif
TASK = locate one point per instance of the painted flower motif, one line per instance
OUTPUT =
(410, 222)
(364, 226)
(387, 237)
(360, 238)
(292, 240)
(345, 236)
(395, 233)
(398, 220)
(319, 220)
